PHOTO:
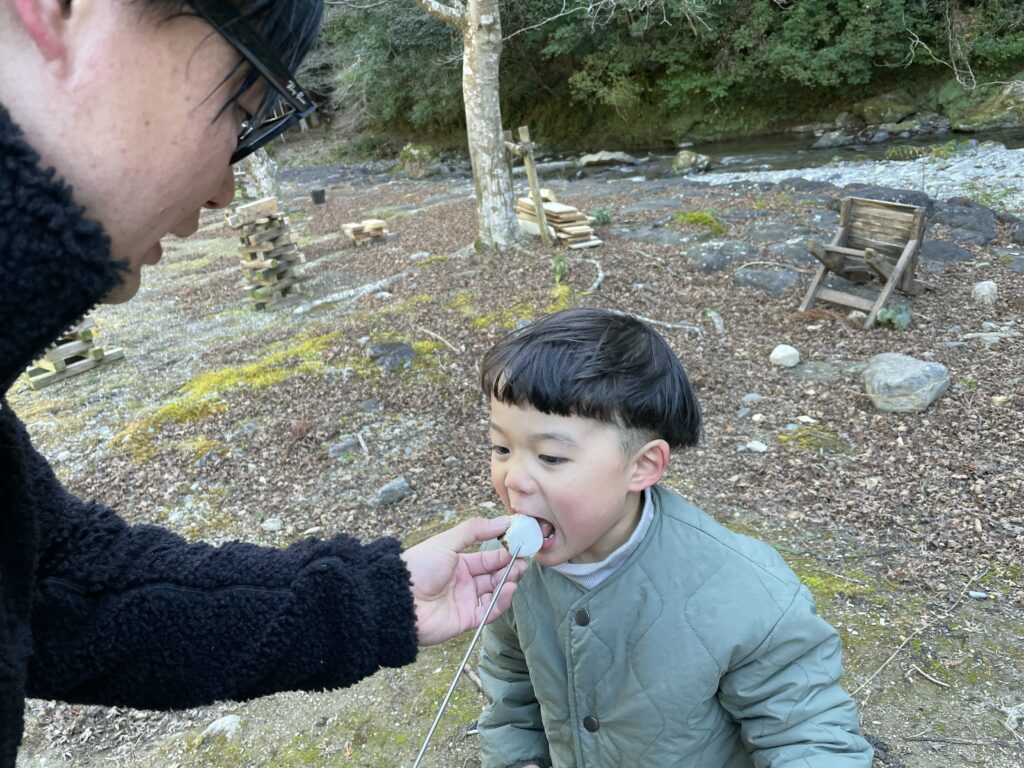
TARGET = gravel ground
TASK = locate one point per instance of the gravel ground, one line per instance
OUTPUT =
(894, 520)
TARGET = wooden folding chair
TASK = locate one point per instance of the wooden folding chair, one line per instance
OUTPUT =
(875, 238)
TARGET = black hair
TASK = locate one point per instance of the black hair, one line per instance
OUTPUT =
(290, 28)
(597, 364)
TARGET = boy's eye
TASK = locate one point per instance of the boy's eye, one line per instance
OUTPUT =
(553, 460)
(500, 450)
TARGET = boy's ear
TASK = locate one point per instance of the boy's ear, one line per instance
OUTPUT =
(649, 465)
(45, 21)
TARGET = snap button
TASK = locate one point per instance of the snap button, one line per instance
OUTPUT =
(591, 724)
(582, 617)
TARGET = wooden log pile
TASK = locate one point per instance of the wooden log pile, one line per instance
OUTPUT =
(367, 229)
(270, 256)
(75, 352)
(569, 225)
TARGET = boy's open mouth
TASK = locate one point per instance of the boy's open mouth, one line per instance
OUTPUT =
(547, 530)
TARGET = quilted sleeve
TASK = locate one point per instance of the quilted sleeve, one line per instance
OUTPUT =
(787, 699)
(511, 731)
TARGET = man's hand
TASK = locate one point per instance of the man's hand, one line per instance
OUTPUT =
(452, 590)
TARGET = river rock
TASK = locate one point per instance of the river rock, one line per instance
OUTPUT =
(799, 184)
(1017, 233)
(794, 251)
(905, 196)
(392, 493)
(944, 252)
(716, 255)
(774, 231)
(690, 162)
(969, 221)
(985, 293)
(785, 356)
(226, 727)
(774, 281)
(1004, 109)
(391, 355)
(900, 383)
(886, 108)
(846, 122)
(833, 139)
(606, 158)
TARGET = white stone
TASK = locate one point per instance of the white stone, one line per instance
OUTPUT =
(272, 524)
(985, 293)
(226, 726)
(756, 446)
(785, 356)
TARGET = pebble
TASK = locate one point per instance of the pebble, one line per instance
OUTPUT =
(751, 397)
(272, 524)
(985, 293)
(785, 356)
(756, 446)
(226, 726)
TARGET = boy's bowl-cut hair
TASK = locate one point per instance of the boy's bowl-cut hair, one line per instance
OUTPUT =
(597, 364)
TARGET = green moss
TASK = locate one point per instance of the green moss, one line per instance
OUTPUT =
(437, 258)
(561, 298)
(201, 397)
(814, 437)
(703, 219)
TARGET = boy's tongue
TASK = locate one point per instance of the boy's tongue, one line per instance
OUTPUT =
(546, 528)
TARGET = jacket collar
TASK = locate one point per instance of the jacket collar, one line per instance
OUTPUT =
(55, 264)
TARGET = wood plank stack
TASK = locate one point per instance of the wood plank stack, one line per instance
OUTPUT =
(75, 352)
(367, 229)
(269, 255)
(570, 225)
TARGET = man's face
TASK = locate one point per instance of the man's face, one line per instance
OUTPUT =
(142, 144)
(570, 473)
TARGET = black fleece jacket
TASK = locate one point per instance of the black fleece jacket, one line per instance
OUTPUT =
(93, 610)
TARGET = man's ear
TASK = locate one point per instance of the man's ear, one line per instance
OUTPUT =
(649, 465)
(45, 21)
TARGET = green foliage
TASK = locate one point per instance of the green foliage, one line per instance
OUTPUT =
(602, 215)
(905, 152)
(560, 266)
(629, 79)
(896, 317)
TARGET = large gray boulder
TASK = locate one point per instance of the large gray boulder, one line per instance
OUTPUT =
(606, 158)
(886, 108)
(690, 162)
(1004, 109)
(900, 383)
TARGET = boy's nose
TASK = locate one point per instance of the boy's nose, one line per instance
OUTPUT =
(518, 481)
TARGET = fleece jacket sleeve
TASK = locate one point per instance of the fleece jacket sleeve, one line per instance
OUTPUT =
(137, 616)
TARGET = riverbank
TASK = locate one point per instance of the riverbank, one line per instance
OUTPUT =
(987, 170)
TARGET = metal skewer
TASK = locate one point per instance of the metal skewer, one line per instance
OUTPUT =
(465, 659)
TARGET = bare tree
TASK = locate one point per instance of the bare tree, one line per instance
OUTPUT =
(480, 25)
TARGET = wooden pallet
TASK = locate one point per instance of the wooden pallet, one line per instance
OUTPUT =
(75, 352)
(365, 230)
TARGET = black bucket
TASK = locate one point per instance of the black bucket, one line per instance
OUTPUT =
(318, 195)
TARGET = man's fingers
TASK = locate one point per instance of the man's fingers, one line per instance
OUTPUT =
(504, 601)
(471, 531)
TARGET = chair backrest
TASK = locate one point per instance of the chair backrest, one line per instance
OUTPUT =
(885, 227)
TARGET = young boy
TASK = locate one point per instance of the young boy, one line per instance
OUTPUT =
(643, 632)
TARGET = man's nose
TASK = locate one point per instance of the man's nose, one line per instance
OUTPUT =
(225, 194)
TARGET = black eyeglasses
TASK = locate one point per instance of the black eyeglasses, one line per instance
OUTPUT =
(233, 27)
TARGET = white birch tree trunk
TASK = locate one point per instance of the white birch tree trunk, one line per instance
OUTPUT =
(480, 24)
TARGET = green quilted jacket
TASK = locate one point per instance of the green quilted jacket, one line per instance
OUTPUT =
(702, 651)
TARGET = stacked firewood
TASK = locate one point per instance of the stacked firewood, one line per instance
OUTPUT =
(75, 352)
(367, 229)
(569, 225)
(270, 256)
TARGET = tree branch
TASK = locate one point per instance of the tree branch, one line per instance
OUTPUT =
(452, 12)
